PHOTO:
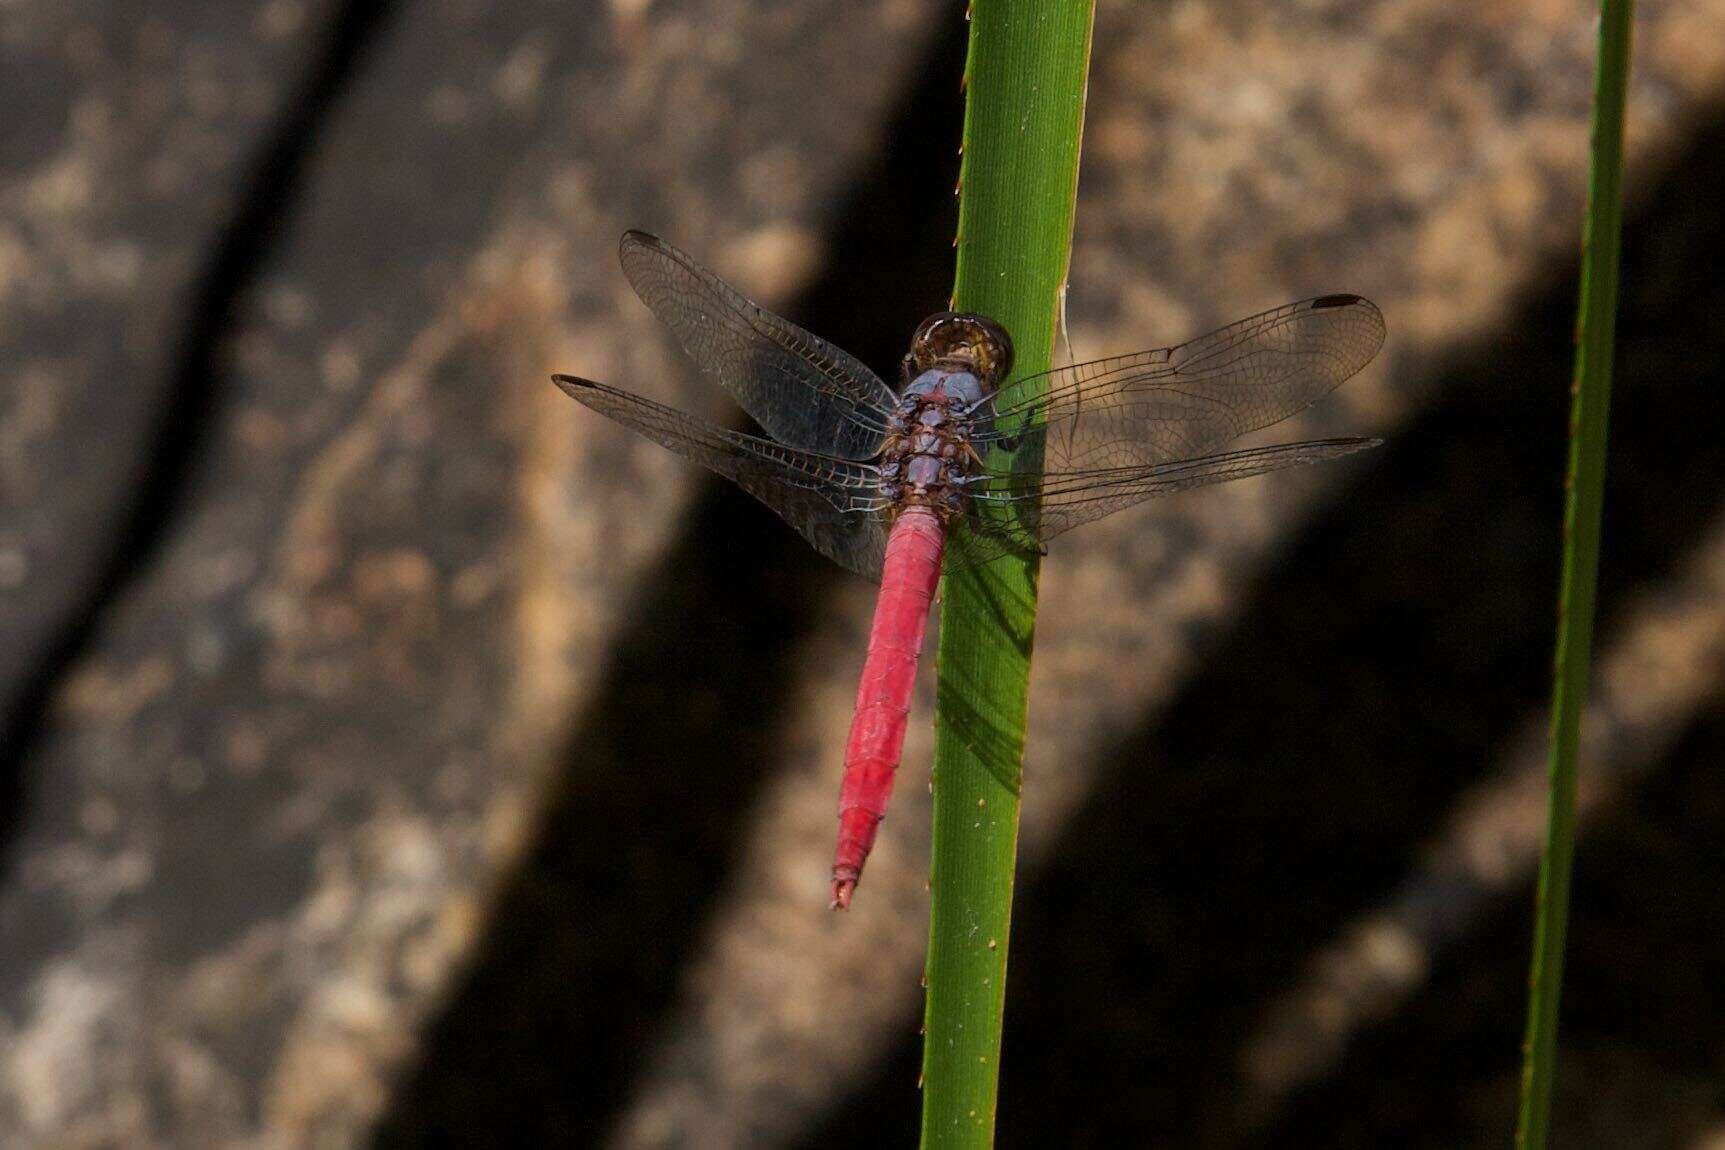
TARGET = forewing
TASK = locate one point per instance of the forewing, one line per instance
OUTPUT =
(833, 503)
(1017, 510)
(801, 389)
(1175, 403)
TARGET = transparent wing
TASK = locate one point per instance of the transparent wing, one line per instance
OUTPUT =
(833, 503)
(1019, 511)
(1184, 402)
(1111, 433)
(801, 389)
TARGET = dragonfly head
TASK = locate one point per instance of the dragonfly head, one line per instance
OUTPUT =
(964, 341)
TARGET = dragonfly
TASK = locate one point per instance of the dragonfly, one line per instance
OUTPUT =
(965, 464)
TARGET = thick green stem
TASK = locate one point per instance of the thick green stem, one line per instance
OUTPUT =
(1581, 531)
(1025, 77)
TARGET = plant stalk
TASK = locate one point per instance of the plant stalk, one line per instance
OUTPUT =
(1585, 483)
(1025, 76)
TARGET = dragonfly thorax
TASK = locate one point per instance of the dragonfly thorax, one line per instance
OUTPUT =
(960, 386)
(927, 454)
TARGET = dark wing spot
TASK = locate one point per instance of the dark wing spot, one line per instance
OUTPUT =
(1341, 300)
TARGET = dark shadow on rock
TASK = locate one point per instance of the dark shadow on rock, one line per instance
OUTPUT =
(579, 965)
(272, 181)
(1381, 667)
(1640, 1038)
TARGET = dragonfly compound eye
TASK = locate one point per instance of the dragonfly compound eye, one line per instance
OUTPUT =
(964, 338)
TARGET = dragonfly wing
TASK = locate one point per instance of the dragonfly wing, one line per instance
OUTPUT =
(1019, 510)
(1184, 402)
(833, 503)
(804, 391)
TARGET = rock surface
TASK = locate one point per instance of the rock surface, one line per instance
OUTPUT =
(266, 807)
(132, 130)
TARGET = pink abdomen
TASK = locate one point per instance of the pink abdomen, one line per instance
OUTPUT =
(907, 585)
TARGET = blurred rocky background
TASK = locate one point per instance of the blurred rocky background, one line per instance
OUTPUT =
(394, 754)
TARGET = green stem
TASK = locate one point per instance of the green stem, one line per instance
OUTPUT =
(1025, 80)
(1581, 530)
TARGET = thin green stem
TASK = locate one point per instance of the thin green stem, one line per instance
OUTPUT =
(1585, 481)
(1025, 81)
